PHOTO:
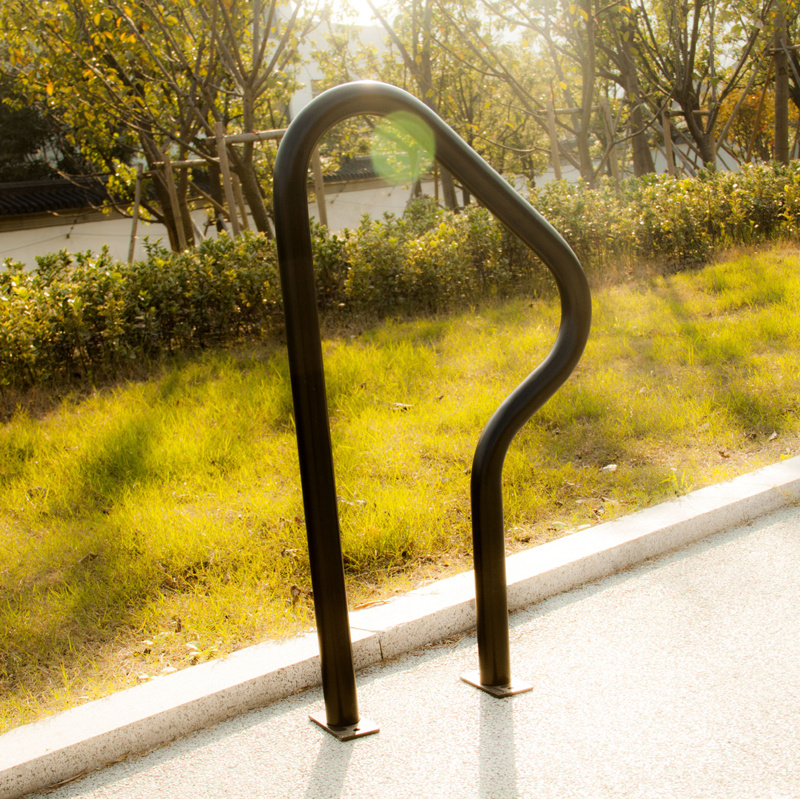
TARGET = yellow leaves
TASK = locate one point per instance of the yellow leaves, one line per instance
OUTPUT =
(127, 13)
(126, 37)
(99, 37)
(577, 11)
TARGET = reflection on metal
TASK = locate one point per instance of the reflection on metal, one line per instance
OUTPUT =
(293, 236)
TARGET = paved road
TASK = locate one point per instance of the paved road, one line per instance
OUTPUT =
(678, 678)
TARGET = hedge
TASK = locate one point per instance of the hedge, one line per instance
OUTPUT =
(85, 315)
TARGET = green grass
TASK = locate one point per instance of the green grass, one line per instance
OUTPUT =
(158, 523)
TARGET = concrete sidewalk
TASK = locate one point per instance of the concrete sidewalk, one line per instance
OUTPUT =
(679, 677)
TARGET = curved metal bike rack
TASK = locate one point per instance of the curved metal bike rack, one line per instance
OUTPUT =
(295, 258)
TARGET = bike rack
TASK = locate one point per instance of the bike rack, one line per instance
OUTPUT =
(293, 234)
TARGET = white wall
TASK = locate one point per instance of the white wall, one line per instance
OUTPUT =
(75, 236)
(79, 235)
(345, 210)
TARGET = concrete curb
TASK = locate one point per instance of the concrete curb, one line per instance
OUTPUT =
(91, 736)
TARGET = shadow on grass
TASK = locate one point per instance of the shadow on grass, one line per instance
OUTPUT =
(727, 364)
(58, 625)
(77, 579)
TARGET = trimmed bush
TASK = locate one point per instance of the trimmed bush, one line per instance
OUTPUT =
(86, 315)
(676, 221)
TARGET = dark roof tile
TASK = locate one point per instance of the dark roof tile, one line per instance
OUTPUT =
(42, 196)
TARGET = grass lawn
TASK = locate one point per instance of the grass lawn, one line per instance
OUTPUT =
(158, 523)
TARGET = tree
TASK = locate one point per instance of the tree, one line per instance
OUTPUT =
(166, 72)
(257, 43)
(480, 103)
(619, 65)
(691, 53)
(24, 133)
(751, 124)
(641, 56)
(341, 53)
(548, 57)
(412, 34)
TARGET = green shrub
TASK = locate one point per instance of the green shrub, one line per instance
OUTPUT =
(330, 265)
(376, 255)
(593, 221)
(677, 221)
(88, 315)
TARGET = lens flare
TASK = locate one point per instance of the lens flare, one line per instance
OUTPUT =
(403, 147)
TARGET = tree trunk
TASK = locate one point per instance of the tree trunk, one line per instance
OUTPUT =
(643, 163)
(448, 189)
(781, 89)
(425, 83)
(702, 138)
(182, 187)
(251, 189)
(215, 190)
(154, 156)
(587, 93)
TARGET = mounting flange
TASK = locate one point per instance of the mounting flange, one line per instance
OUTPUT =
(347, 732)
(511, 689)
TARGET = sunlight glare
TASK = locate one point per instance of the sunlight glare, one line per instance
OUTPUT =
(359, 11)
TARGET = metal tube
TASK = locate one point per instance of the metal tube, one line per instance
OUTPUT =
(308, 383)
